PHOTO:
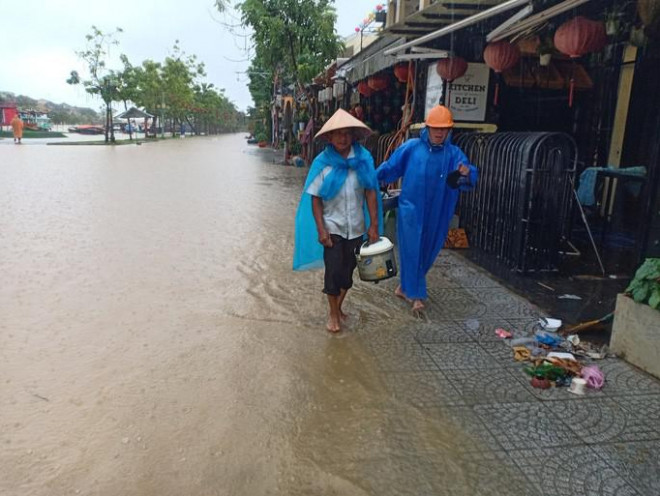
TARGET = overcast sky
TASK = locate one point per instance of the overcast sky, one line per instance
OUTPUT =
(40, 38)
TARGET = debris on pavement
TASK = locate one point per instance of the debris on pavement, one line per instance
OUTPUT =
(503, 333)
(569, 297)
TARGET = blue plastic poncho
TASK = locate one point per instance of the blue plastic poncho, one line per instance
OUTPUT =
(308, 252)
(426, 204)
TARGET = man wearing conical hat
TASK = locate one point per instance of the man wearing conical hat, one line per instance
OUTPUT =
(339, 205)
(434, 171)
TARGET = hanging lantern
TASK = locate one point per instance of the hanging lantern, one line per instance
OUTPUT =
(501, 56)
(577, 37)
(378, 82)
(401, 72)
(580, 36)
(451, 68)
(363, 89)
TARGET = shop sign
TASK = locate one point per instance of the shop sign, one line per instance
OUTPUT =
(468, 94)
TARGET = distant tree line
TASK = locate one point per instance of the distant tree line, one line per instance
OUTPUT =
(172, 91)
(59, 113)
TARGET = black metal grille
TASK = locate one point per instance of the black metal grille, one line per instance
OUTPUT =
(521, 209)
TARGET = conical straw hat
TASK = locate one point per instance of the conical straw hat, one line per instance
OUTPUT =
(342, 120)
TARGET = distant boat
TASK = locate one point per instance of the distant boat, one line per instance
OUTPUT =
(87, 129)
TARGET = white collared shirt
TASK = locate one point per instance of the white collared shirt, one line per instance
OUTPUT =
(344, 214)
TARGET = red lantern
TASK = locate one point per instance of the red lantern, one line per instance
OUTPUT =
(578, 37)
(363, 89)
(401, 72)
(451, 68)
(501, 56)
(378, 82)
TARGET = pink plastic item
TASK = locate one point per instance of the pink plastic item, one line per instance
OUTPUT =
(503, 333)
(594, 377)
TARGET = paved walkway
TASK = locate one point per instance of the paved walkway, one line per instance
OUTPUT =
(521, 440)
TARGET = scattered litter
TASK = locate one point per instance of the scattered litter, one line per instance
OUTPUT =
(521, 354)
(589, 324)
(561, 355)
(550, 325)
(503, 333)
(541, 382)
(545, 286)
(548, 339)
(522, 341)
(574, 339)
(593, 376)
(578, 386)
(569, 297)
(537, 352)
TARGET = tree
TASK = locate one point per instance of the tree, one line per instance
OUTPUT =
(296, 38)
(102, 81)
(179, 73)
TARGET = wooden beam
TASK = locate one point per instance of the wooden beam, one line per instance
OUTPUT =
(619, 125)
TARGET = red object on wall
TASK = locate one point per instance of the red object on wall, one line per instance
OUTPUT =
(363, 89)
(7, 113)
(378, 82)
(578, 37)
(501, 56)
(451, 68)
(401, 72)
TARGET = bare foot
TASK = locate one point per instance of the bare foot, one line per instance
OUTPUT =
(333, 325)
(399, 293)
(418, 306)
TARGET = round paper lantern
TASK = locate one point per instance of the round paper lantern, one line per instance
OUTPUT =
(401, 72)
(501, 56)
(363, 89)
(580, 36)
(451, 68)
(378, 82)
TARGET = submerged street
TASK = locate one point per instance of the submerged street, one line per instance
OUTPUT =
(155, 341)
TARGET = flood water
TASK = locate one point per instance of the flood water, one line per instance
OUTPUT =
(154, 340)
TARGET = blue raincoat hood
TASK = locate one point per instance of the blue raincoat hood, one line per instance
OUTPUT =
(308, 252)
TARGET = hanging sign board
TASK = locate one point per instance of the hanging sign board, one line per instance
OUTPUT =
(468, 95)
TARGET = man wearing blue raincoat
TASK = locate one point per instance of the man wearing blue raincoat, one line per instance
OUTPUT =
(339, 204)
(434, 171)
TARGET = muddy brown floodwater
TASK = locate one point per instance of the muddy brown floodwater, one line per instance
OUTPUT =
(154, 340)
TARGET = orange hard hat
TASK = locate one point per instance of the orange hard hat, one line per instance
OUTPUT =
(439, 116)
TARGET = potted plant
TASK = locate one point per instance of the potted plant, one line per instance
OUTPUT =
(545, 50)
(261, 139)
(637, 319)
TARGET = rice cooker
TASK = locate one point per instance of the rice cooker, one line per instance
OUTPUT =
(376, 261)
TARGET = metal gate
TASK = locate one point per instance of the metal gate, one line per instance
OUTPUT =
(521, 209)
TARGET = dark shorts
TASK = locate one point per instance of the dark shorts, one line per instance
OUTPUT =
(339, 264)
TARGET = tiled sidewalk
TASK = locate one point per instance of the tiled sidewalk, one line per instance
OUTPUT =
(517, 439)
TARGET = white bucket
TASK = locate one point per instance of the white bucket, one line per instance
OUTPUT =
(376, 261)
